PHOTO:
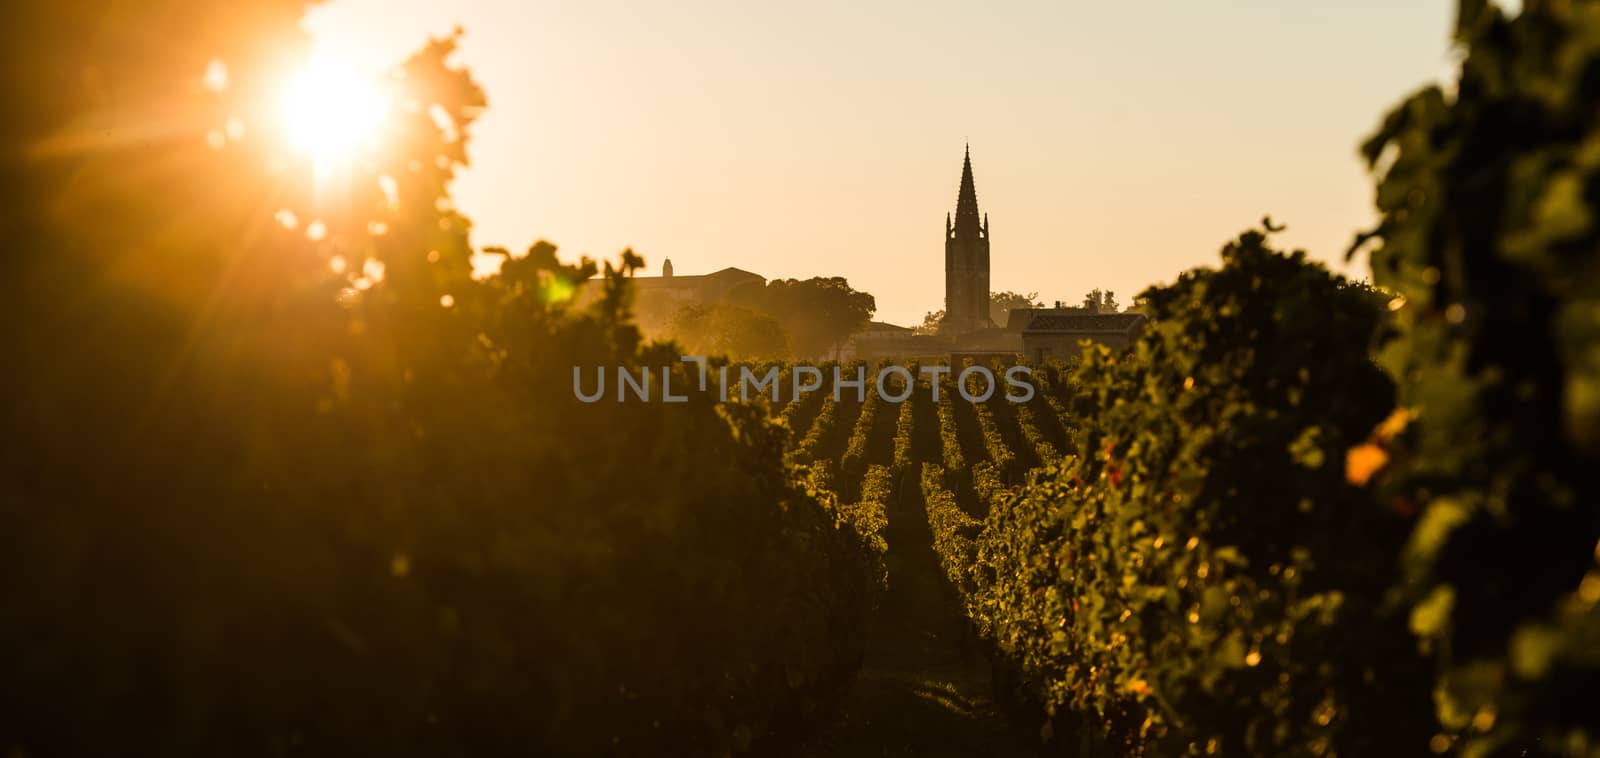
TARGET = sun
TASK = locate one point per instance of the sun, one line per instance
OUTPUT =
(331, 111)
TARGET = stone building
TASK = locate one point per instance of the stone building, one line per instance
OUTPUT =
(658, 298)
(1036, 334)
(1048, 336)
(700, 288)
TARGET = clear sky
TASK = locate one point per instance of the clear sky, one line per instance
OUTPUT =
(1114, 144)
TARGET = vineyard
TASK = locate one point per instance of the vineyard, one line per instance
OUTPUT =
(288, 481)
(1117, 579)
(1178, 548)
(919, 476)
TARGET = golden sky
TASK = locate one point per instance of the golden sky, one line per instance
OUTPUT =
(1113, 144)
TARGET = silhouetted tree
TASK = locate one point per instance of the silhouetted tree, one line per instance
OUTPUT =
(819, 314)
(1002, 303)
(726, 329)
(1100, 301)
(281, 475)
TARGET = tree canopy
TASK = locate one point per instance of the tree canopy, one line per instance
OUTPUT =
(819, 314)
(1100, 301)
(287, 471)
(1001, 304)
(727, 329)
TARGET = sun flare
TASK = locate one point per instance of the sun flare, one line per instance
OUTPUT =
(331, 111)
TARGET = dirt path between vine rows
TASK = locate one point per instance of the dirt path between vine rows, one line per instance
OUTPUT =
(922, 691)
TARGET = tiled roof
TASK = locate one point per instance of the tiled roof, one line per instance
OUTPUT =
(731, 271)
(1098, 322)
(689, 280)
(1019, 318)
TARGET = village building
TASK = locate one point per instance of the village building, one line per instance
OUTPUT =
(967, 332)
(694, 288)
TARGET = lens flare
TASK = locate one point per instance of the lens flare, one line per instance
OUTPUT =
(331, 111)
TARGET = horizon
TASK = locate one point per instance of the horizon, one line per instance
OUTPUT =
(718, 135)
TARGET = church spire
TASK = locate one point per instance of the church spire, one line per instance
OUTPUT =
(966, 259)
(967, 200)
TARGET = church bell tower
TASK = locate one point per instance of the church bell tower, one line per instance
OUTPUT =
(966, 260)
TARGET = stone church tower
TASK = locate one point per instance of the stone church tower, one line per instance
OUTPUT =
(966, 260)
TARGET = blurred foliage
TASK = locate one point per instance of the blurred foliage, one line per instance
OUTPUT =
(1490, 246)
(1199, 578)
(735, 331)
(282, 477)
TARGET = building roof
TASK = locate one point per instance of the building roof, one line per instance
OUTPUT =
(736, 272)
(693, 280)
(1096, 322)
(1018, 318)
